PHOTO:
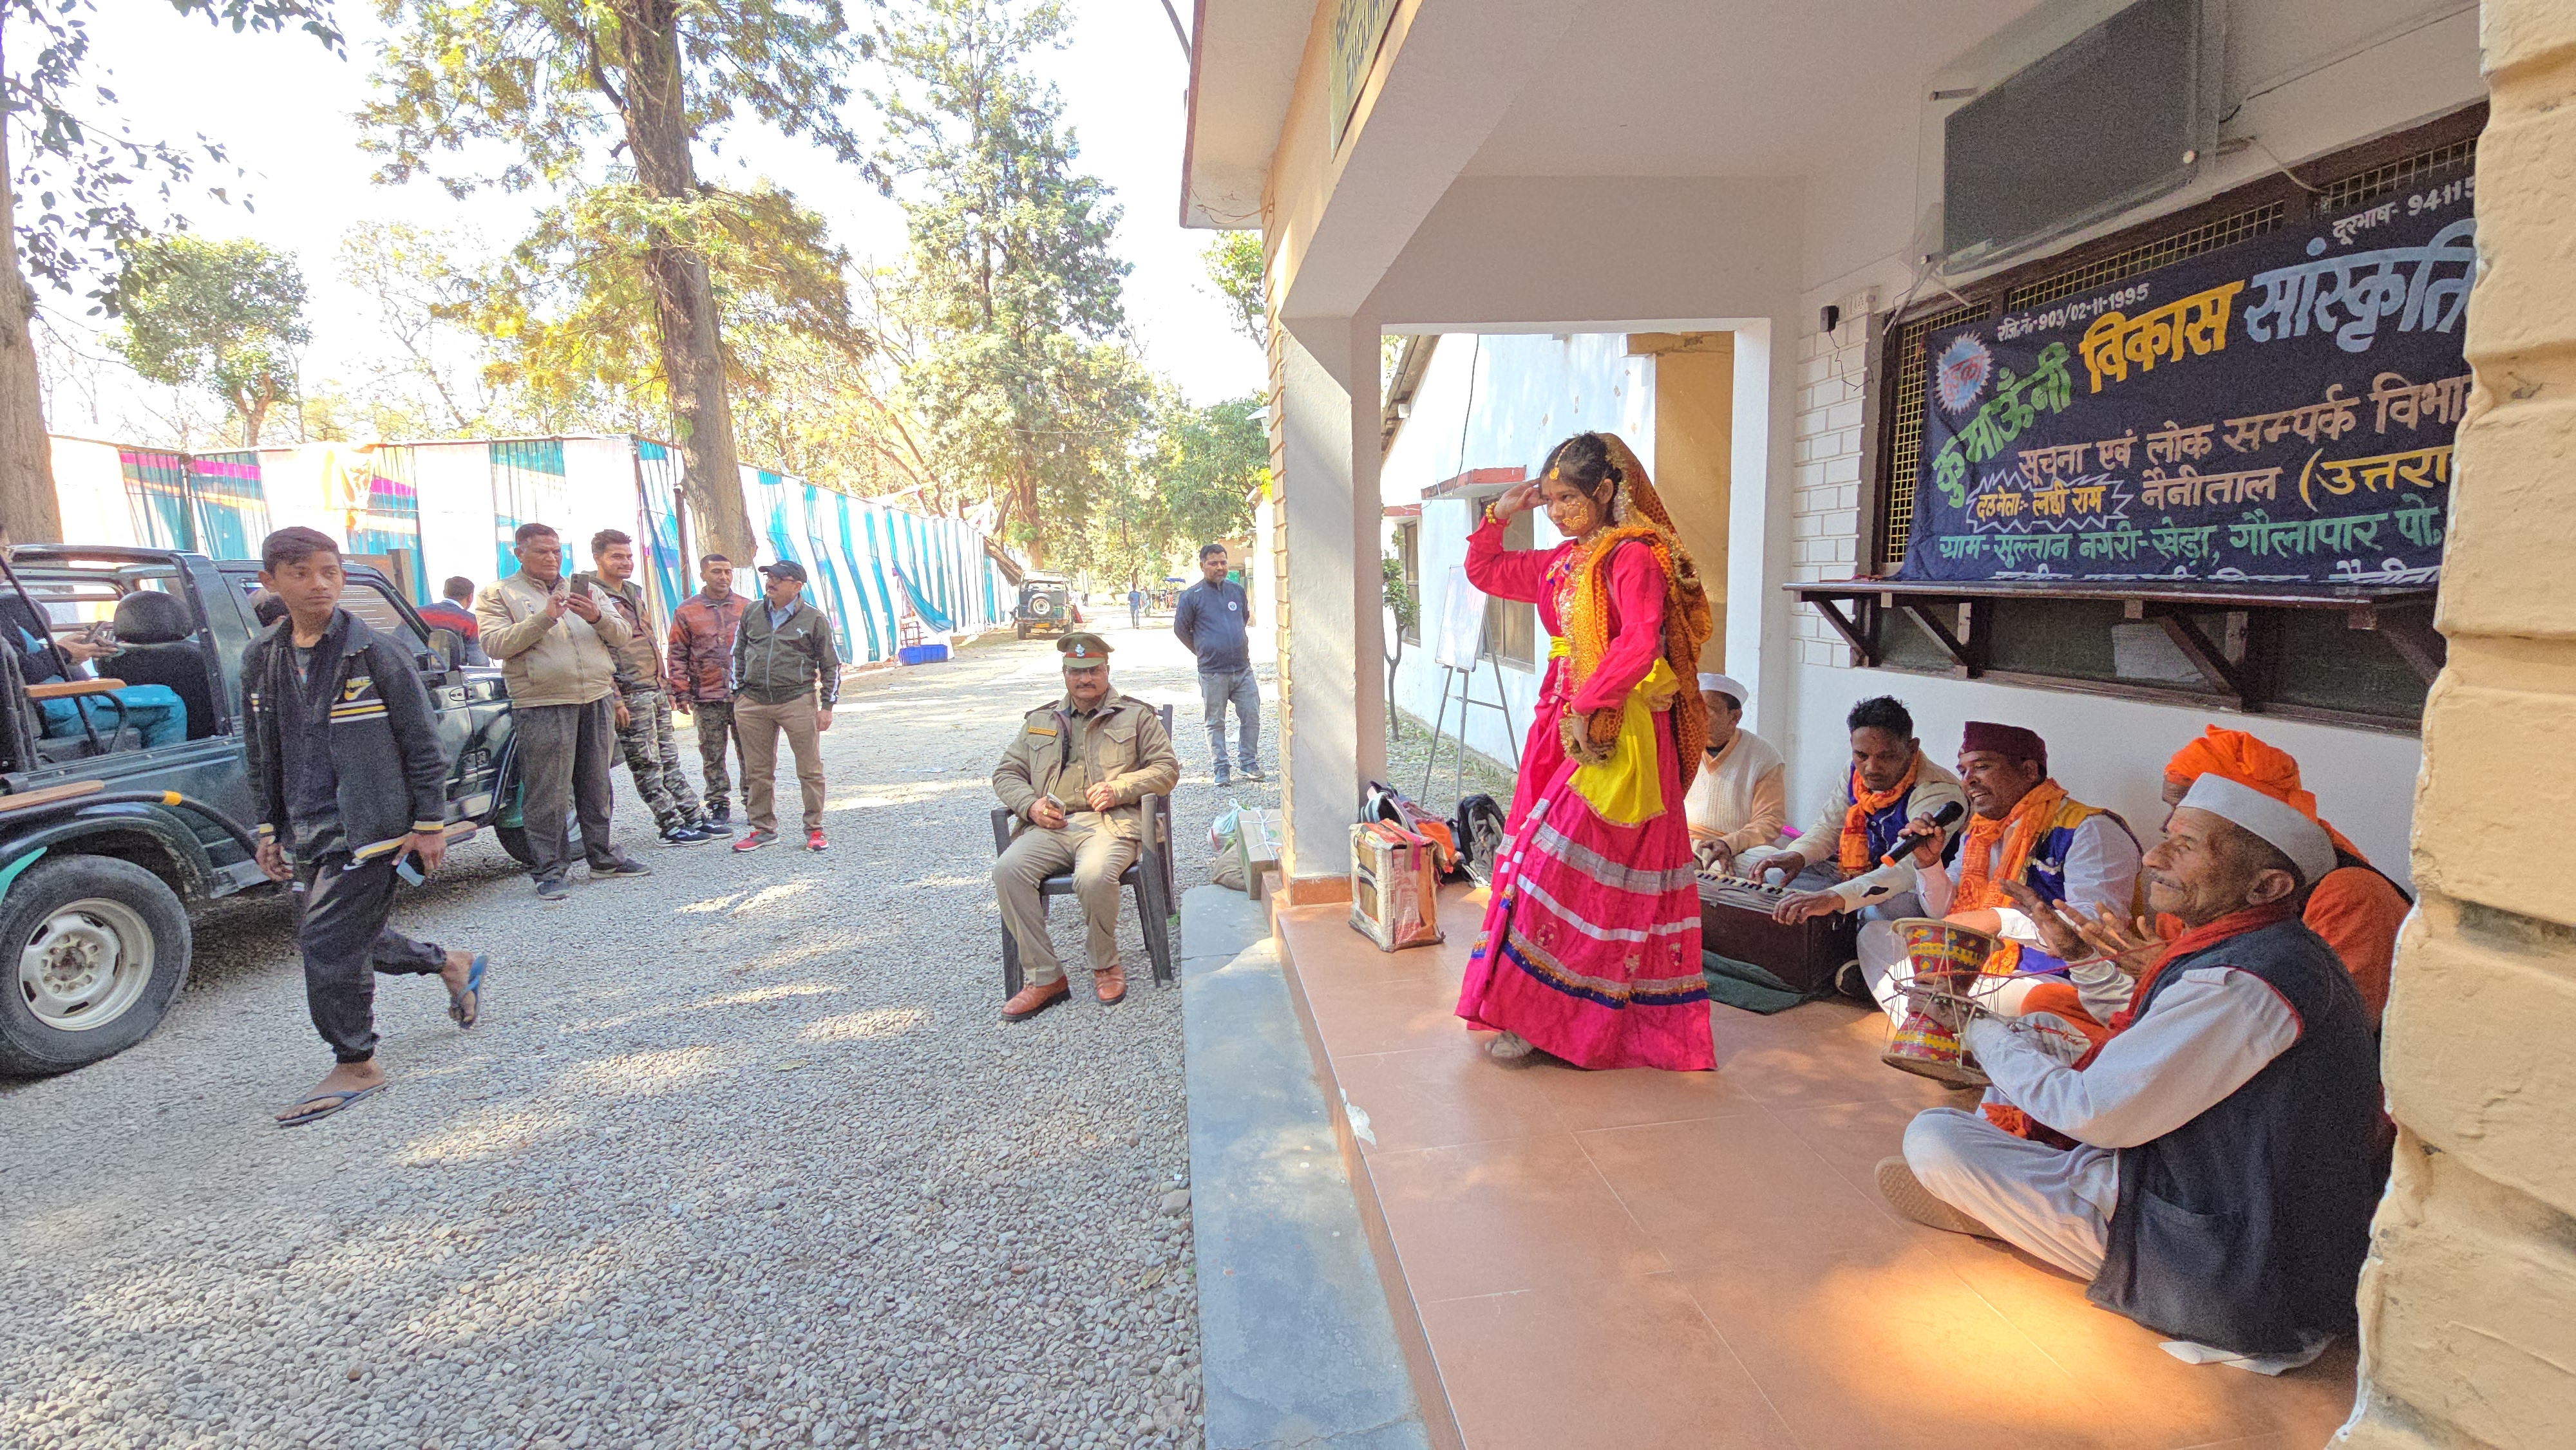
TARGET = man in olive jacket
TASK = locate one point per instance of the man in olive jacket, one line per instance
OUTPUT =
(1074, 773)
(786, 677)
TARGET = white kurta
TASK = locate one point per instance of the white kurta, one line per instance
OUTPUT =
(1741, 796)
(2206, 1036)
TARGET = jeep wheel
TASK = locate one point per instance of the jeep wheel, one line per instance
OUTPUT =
(94, 949)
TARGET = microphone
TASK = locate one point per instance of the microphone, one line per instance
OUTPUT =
(1912, 841)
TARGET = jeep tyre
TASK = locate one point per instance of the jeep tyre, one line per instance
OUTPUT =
(93, 951)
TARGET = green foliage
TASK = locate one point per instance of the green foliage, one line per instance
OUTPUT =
(1188, 483)
(1234, 264)
(546, 86)
(226, 317)
(568, 314)
(1009, 283)
(1400, 596)
(83, 169)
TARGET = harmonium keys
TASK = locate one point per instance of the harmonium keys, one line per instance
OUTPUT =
(1735, 921)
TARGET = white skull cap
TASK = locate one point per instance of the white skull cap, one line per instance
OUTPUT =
(1724, 685)
(2297, 834)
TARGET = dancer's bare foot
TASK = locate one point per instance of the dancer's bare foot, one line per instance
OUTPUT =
(339, 1087)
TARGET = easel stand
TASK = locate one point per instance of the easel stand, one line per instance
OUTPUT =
(1464, 678)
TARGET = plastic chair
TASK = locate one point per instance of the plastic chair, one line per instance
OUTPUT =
(1148, 878)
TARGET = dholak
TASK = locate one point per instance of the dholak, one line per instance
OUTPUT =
(1944, 961)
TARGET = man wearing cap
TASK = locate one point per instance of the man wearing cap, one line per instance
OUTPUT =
(786, 676)
(1073, 774)
(2356, 908)
(2024, 830)
(1739, 798)
(2210, 1166)
(1843, 859)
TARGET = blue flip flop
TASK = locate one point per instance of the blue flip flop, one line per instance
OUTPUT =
(336, 1102)
(474, 989)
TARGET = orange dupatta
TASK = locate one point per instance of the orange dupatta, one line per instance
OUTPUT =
(2031, 818)
(1855, 856)
(1637, 512)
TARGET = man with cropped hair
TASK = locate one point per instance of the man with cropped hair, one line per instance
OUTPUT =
(701, 674)
(557, 645)
(644, 730)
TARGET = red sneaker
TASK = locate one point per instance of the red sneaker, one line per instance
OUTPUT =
(814, 841)
(754, 840)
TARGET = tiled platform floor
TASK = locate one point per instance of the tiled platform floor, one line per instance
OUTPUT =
(1642, 1260)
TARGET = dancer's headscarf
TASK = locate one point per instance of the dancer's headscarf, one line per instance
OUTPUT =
(1636, 512)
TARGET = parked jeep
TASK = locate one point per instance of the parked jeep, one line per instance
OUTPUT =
(1046, 606)
(106, 847)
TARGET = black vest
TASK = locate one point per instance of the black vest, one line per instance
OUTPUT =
(2245, 1228)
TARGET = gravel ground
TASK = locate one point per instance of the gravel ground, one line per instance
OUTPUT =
(740, 1155)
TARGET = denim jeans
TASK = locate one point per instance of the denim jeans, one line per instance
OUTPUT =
(155, 712)
(1217, 689)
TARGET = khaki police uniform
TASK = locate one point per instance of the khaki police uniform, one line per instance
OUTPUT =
(1060, 753)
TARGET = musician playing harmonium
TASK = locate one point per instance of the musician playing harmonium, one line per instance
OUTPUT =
(1739, 798)
(2028, 832)
(2210, 1167)
(1841, 862)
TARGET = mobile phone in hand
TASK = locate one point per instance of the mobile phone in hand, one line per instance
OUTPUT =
(407, 871)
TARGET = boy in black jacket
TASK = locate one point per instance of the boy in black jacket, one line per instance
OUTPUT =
(349, 777)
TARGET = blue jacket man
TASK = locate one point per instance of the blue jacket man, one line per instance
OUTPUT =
(1214, 618)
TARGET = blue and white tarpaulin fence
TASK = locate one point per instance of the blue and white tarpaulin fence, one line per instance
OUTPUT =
(433, 510)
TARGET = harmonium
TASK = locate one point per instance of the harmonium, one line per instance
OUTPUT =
(1735, 921)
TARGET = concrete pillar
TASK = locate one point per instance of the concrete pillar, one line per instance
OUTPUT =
(1332, 672)
(2468, 1305)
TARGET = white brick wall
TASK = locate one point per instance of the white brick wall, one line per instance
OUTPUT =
(1825, 479)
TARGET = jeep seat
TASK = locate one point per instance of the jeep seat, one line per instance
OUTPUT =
(160, 648)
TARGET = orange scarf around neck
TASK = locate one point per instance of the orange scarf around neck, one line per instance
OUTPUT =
(1866, 803)
(2031, 818)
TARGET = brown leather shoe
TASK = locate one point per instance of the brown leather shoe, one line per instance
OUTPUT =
(1109, 984)
(1033, 999)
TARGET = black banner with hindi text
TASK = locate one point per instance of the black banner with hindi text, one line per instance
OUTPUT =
(2275, 412)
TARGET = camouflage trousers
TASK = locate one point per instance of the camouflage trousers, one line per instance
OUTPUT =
(653, 754)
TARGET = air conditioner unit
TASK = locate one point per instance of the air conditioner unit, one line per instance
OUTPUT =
(2124, 112)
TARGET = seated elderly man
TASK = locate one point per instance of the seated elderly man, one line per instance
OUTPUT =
(2356, 908)
(1848, 860)
(2026, 832)
(2210, 1166)
(1074, 774)
(1738, 800)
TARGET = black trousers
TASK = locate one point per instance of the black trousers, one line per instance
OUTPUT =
(341, 909)
(565, 755)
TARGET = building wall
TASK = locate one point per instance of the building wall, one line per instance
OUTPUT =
(2469, 1302)
(2337, 72)
(1500, 402)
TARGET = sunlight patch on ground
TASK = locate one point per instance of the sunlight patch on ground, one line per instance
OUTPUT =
(633, 1073)
(771, 896)
(476, 1137)
(854, 1026)
(773, 994)
(712, 903)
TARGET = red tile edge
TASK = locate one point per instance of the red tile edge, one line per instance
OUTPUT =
(1439, 1421)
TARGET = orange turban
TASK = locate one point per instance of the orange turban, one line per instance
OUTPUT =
(2250, 762)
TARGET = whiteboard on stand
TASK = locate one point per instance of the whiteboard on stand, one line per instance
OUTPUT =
(1462, 622)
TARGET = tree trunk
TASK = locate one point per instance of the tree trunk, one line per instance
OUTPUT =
(29, 512)
(684, 303)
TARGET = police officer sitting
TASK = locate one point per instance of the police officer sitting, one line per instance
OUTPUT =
(1074, 774)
